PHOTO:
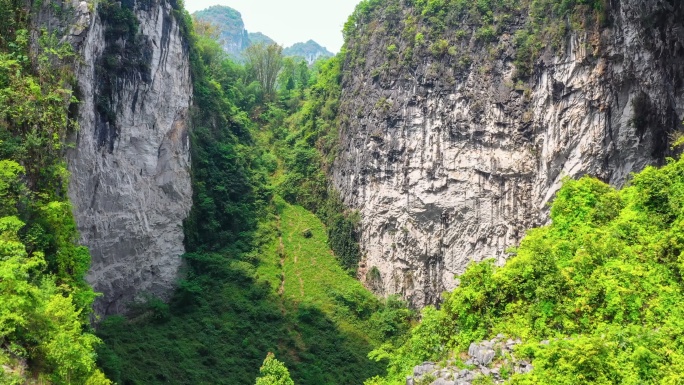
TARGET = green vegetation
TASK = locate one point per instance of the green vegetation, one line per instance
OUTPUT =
(288, 296)
(306, 142)
(124, 57)
(602, 283)
(261, 276)
(273, 372)
(452, 23)
(45, 303)
(265, 61)
(273, 252)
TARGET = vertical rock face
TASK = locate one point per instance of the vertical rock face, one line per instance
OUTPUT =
(130, 170)
(450, 161)
(233, 35)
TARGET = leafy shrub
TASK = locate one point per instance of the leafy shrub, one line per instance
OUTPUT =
(273, 372)
(546, 24)
(602, 283)
(45, 301)
(440, 47)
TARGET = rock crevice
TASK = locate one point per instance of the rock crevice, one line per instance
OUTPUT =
(450, 163)
(130, 170)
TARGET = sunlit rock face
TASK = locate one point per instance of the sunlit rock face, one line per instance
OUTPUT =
(130, 161)
(450, 163)
(232, 33)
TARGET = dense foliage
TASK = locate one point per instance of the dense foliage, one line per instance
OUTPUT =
(602, 284)
(273, 372)
(446, 29)
(265, 61)
(260, 273)
(45, 304)
(305, 139)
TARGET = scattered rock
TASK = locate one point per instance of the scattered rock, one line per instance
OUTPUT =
(482, 354)
(425, 368)
(441, 381)
(486, 356)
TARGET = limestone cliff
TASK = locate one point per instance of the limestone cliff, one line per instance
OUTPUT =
(130, 170)
(450, 154)
(232, 33)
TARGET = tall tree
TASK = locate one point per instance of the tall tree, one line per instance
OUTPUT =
(265, 61)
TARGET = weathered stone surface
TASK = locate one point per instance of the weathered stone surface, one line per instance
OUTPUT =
(482, 354)
(442, 381)
(131, 192)
(449, 373)
(449, 164)
(426, 367)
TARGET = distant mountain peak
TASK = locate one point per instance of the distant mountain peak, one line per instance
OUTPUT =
(235, 38)
(310, 51)
(233, 35)
(259, 38)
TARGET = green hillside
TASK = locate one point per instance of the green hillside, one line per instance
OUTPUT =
(289, 297)
(595, 296)
(261, 274)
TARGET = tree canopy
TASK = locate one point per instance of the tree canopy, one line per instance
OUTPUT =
(273, 372)
(265, 61)
(595, 296)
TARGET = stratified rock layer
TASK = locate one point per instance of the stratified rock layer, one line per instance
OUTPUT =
(451, 160)
(130, 176)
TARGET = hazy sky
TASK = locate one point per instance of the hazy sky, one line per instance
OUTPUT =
(290, 21)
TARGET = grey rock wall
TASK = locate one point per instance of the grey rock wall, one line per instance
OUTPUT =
(233, 36)
(449, 164)
(130, 175)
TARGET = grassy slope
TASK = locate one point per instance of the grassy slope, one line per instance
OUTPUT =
(311, 284)
(317, 322)
(311, 274)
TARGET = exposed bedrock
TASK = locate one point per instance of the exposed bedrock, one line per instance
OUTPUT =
(449, 164)
(130, 165)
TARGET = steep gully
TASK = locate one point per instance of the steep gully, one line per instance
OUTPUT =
(445, 165)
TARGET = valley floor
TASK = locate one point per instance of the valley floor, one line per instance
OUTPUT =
(290, 297)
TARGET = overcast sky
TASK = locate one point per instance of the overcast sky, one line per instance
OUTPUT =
(290, 21)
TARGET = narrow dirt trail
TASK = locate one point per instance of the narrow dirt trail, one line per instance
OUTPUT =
(281, 254)
(301, 284)
(299, 250)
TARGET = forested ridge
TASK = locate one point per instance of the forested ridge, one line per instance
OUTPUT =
(270, 291)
